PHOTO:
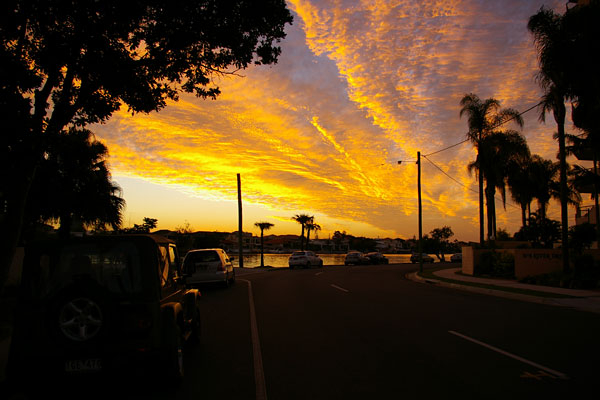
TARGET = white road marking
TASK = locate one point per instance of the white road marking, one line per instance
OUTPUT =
(259, 373)
(523, 360)
(340, 288)
(319, 273)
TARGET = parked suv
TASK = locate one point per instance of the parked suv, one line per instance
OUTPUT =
(102, 304)
(208, 266)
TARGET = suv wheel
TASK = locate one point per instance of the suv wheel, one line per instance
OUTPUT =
(80, 319)
(79, 314)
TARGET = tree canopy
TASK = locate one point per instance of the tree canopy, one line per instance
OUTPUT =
(68, 64)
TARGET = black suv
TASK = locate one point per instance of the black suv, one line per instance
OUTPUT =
(102, 304)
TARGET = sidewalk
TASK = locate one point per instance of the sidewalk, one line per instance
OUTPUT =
(585, 300)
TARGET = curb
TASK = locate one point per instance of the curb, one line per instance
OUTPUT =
(414, 276)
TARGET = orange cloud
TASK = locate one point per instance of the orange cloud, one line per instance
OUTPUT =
(359, 86)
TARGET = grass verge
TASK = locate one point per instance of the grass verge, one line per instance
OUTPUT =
(428, 274)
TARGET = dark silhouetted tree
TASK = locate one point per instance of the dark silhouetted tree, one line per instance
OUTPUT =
(484, 117)
(302, 219)
(263, 226)
(73, 64)
(74, 184)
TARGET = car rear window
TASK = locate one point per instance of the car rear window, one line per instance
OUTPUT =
(202, 256)
(114, 266)
(298, 253)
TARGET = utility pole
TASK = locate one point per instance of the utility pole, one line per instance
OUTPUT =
(240, 238)
(420, 213)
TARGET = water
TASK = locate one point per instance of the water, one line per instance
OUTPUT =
(281, 260)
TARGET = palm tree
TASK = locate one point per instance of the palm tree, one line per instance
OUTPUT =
(520, 186)
(483, 118)
(302, 219)
(311, 226)
(543, 175)
(552, 43)
(499, 153)
(74, 184)
(264, 226)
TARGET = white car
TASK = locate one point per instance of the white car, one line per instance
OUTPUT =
(208, 266)
(414, 258)
(305, 259)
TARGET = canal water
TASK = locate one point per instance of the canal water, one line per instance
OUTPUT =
(281, 260)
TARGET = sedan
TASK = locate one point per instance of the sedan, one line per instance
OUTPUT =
(304, 259)
(356, 258)
(414, 258)
(377, 258)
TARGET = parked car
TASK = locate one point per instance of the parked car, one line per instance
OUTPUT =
(208, 266)
(457, 257)
(377, 258)
(414, 258)
(356, 258)
(304, 259)
(102, 304)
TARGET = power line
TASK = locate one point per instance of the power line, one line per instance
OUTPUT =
(465, 186)
(493, 127)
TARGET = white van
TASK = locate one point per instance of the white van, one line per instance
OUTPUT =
(208, 266)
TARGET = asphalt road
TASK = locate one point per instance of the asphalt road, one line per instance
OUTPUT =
(369, 333)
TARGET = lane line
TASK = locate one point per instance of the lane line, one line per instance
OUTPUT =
(259, 373)
(319, 273)
(340, 288)
(523, 360)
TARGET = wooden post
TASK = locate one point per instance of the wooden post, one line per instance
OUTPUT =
(240, 232)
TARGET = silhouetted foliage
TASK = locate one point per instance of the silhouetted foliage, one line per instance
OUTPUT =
(75, 63)
(440, 238)
(581, 236)
(541, 232)
(146, 227)
(498, 264)
(73, 184)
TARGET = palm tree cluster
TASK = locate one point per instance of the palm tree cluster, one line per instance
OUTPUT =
(567, 46)
(499, 152)
(504, 161)
(308, 224)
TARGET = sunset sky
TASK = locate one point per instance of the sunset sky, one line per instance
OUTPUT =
(359, 85)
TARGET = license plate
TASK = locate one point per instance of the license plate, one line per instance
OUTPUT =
(88, 365)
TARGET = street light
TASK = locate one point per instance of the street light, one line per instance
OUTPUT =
(420, 247)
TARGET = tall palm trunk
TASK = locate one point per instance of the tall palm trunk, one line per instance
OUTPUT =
(559, 116)
(481, 213)
(262, 248)
(491, 210)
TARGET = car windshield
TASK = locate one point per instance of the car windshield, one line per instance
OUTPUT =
(115, 266)
(201, 257)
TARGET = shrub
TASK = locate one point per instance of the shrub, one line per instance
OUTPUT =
(498, 264)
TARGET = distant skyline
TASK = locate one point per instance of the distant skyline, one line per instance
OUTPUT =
(359, 85)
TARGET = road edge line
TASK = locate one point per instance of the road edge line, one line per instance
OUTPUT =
(514, 356)
(259, 373)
